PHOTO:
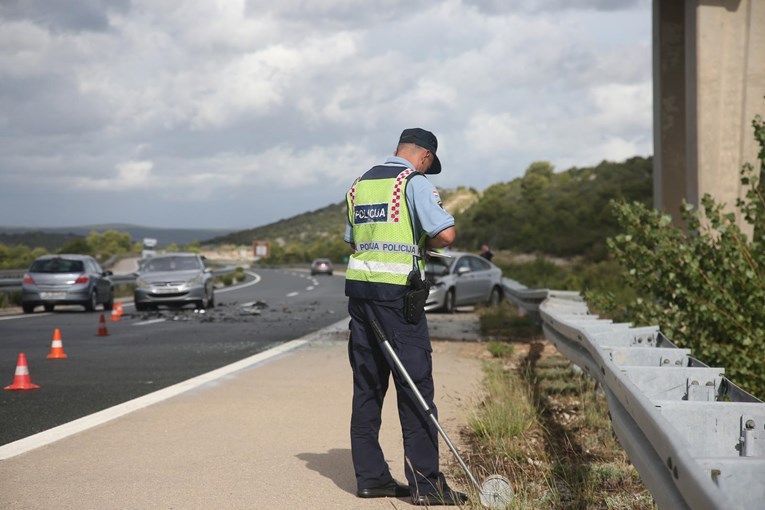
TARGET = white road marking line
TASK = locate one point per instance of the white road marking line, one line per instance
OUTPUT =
(309, 288)
(242, 286)
(26, 316)
(153, 321)
(291, 294)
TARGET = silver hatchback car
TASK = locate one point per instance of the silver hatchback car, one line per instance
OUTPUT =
(174, 279)
(462, 279)
(66, 280)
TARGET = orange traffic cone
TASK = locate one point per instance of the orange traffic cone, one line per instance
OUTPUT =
(21, 380)
(102, 331)
(116, 312)
(56, 347)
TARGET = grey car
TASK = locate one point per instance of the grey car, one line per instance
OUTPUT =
(321, 266)
(174, 279)
(462, 279)
(66, 279)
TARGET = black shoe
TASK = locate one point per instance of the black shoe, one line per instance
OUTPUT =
(445, 498)
(392, 489)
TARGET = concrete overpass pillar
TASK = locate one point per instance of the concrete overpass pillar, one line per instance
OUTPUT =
(709, 82)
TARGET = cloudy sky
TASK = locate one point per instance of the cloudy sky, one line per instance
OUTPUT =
(237, 113)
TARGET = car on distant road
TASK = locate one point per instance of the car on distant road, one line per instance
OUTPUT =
(66, 279)
(174, 280)
(459, 278)
(321, 266)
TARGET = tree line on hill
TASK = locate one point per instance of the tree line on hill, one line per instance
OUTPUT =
(564, 214)
(102, 246)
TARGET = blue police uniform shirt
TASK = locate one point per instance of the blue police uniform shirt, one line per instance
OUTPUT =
(422, 197)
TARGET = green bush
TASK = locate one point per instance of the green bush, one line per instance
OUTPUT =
(704, 285)
(18, 256)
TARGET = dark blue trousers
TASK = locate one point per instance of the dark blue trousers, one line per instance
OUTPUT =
(371, 374)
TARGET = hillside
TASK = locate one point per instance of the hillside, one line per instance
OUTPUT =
(326, 223)
(304, 228)
(50, 242)
(457, 200)
(556, 213)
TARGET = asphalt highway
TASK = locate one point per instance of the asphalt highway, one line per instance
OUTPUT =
(145, 352)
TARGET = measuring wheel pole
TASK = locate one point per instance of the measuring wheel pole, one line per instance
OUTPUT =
(400, 366)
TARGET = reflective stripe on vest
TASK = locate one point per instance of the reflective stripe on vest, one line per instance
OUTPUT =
(374, 266)
(411, 249)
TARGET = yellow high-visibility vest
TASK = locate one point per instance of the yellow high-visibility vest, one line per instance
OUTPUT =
(383, 229)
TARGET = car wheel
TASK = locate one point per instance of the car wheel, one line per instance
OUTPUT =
(449, 302)
(49, 307)
(496, 296)
(90, 306)
(141, 307)
(28, 308)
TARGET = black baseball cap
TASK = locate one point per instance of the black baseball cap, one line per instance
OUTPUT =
(426, 140)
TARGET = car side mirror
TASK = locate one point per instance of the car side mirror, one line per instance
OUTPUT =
(108, 273)
(463, 270)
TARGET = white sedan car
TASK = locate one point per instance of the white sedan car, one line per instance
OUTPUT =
(462, 279)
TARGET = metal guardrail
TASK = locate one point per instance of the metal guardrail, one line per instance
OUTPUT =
(10, 279)
(696, 439)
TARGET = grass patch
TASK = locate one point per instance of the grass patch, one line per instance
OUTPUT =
(544, 425)
(505, 320)
(229, 279)
(506, 413)
(500, 349)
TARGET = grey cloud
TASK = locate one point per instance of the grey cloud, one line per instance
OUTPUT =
(510, 6)
(64, 15)
(347, 14)
(399, 64)
(48, 106)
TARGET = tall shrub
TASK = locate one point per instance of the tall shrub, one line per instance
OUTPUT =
(703, 285)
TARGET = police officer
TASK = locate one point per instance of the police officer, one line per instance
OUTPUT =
(394, 213)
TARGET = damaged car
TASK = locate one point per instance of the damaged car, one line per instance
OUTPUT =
(174, 280)
(460, 279)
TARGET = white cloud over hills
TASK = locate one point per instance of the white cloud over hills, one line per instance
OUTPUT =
(235, 114)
